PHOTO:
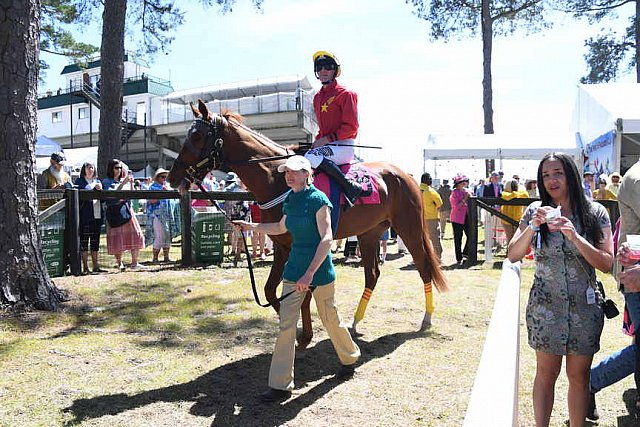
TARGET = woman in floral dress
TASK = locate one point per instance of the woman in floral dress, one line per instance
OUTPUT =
(571, 237)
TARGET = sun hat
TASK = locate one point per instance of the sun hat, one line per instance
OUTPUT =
(459, 178)
(158, 172)
(616, 175)
(296, 163)
(58, 157)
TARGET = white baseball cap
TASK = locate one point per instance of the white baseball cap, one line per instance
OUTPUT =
(295, 163)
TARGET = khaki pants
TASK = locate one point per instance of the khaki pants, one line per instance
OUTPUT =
(281, 372)
(433, 228)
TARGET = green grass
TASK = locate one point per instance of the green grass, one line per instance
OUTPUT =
(191, 348)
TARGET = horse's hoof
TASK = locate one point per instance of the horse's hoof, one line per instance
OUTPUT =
(426, 323)
(353, 330)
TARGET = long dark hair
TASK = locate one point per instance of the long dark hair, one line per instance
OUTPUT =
(580, 206)
(110, 165)
(83, 170)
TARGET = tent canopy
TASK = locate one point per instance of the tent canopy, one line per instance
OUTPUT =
(606, 119)
(45, 146)
(520, 146)
(148, 171)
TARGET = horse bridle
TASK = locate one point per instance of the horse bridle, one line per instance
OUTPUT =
(211, 153)
(214, 159)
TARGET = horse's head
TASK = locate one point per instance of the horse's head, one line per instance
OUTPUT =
(201, 150)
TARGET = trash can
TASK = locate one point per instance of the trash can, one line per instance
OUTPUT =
(52, 242)
(207, 232)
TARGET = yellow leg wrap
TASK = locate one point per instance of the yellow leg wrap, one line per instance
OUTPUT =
(428, 297)
(362, 306)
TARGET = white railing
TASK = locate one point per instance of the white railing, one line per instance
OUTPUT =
(494, 398)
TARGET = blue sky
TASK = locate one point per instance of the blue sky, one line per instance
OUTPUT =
(408, 87)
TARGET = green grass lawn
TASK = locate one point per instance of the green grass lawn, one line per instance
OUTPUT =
(189, 347)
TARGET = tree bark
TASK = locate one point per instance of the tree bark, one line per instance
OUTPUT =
(636, 20)
(112, 74)
(23, 274)
(487, 82)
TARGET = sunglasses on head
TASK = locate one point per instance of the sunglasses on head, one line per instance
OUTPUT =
(318, 66)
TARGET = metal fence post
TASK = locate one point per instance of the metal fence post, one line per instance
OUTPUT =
(185, 209)
(473, 231)
(73, 230)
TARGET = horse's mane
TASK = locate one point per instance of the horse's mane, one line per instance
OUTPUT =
(237, 119)
(229, 114)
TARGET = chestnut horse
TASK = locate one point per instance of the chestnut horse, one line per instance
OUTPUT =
(224, 142)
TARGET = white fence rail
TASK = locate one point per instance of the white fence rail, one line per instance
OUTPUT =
(494, 399)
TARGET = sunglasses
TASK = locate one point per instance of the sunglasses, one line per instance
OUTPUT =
(329, 66)
(162, 176)
(117, 167)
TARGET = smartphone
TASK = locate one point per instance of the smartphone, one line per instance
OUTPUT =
(553, 214)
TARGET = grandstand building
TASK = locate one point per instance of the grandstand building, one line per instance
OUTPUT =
(155, 117)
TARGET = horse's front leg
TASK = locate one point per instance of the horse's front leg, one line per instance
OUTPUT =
(369, 252)
(304, 337)
(280, 256)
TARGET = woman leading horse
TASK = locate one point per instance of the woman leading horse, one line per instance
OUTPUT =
(224, 142)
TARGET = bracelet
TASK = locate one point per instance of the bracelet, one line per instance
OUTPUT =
(533, 227)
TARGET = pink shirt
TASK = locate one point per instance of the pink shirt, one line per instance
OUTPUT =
(458, 208)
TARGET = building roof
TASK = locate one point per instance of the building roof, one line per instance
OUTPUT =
(240, 89)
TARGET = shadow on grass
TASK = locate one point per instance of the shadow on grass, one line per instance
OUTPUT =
(629, 399)
(144, 308)
(231, 391)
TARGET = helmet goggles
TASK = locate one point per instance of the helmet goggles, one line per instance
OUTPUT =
(326, 64)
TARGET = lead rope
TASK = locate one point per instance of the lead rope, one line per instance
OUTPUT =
(254, 288)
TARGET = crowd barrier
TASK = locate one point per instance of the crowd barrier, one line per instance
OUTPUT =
(197, 224)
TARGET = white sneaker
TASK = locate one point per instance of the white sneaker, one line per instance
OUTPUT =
(138, 267)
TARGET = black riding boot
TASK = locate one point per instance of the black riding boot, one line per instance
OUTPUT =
(351, 189)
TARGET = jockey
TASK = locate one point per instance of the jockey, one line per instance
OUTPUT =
(336, 110)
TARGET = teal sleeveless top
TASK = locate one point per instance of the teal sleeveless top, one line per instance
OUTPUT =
(300, 209)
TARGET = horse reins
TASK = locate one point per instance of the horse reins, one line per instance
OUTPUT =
(215, 142)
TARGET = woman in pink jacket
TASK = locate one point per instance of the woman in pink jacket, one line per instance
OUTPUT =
(459, 218)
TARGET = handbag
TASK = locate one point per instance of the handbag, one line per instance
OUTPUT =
(118, 214)
(609, 307)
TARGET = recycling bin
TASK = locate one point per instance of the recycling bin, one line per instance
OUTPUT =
(207, 232)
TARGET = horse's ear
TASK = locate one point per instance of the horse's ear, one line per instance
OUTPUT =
(196, 113)
(202, 107)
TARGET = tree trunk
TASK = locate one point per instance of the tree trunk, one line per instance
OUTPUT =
(487, 83)
(112, 74)
(636, 19)
(23, 274)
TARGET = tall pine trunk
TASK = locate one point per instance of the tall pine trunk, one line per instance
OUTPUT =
(487, 81)
(112, 74)
(636, 21)
(23, 274)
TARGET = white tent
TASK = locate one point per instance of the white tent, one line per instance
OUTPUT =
(521, 146)
(606, 120)
(76, 157)
(148, 171)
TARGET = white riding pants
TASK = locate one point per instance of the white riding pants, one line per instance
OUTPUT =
(340, 155)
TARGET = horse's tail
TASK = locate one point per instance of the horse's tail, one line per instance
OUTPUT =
(406, 217)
